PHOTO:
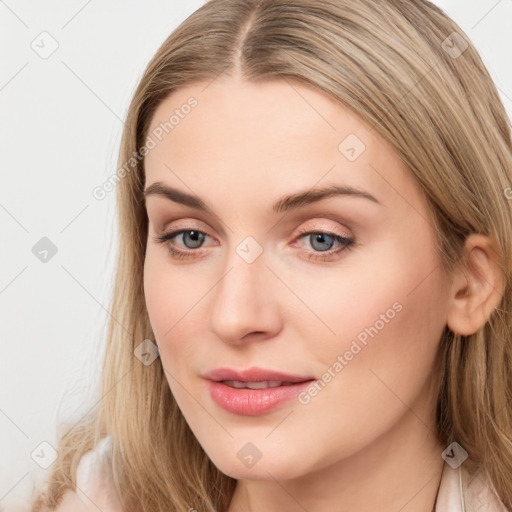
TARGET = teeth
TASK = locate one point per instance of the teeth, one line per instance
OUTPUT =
(254, 385)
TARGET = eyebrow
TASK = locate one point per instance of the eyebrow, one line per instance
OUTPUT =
(284, 204)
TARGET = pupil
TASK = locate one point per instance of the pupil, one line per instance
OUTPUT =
(196, 237)
(321, 238)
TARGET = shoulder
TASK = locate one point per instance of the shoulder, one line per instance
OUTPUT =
(458, 491)
(94, 486)
(480, 494)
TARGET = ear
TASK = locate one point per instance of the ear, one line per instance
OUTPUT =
(477, 287)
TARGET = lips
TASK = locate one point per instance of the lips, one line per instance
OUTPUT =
(254, 391)
(255, 374)
(238, 384)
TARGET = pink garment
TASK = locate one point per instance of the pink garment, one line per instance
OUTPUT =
(94, 486)
(460, 493)
(457, 492)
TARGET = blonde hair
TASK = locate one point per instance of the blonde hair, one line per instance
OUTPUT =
(433, 100)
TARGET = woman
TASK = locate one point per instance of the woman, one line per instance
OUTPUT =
(249, 366)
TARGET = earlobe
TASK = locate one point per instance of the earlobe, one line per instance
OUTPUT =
(477, 287)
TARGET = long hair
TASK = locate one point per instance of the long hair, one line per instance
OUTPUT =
(411, 73)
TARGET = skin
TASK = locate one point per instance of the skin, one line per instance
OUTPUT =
(366, 441)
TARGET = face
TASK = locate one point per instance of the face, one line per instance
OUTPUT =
(346, 291)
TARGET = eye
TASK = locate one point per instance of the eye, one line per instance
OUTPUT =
(196, 237)
(193, 239)
(319, 240)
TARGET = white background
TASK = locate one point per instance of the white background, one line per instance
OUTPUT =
(60, 129)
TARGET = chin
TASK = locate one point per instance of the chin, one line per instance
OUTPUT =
(269, 467)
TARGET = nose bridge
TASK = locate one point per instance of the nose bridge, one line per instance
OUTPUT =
(242, 299)
(244, 267)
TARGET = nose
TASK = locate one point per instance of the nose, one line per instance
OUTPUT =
(244, 302)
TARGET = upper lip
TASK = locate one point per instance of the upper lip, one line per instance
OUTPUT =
(253, 374)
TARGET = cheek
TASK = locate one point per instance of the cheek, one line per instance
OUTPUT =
(391, 288)
(162, 302)
(387, 320)
(174, 299)
(156, 293)
(385, 315)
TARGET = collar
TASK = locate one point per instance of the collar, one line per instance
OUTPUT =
(460, 492)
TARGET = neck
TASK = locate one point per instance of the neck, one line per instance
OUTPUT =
(400, 470)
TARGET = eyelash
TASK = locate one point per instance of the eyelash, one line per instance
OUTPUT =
(347, 244)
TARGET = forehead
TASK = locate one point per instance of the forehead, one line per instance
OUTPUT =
(272, 134)
(275, 113)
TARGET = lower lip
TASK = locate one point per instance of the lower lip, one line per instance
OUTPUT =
(253, 402)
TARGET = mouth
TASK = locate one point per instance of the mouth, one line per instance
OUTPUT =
(255, 391)
(255, 377)
(237, 384)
